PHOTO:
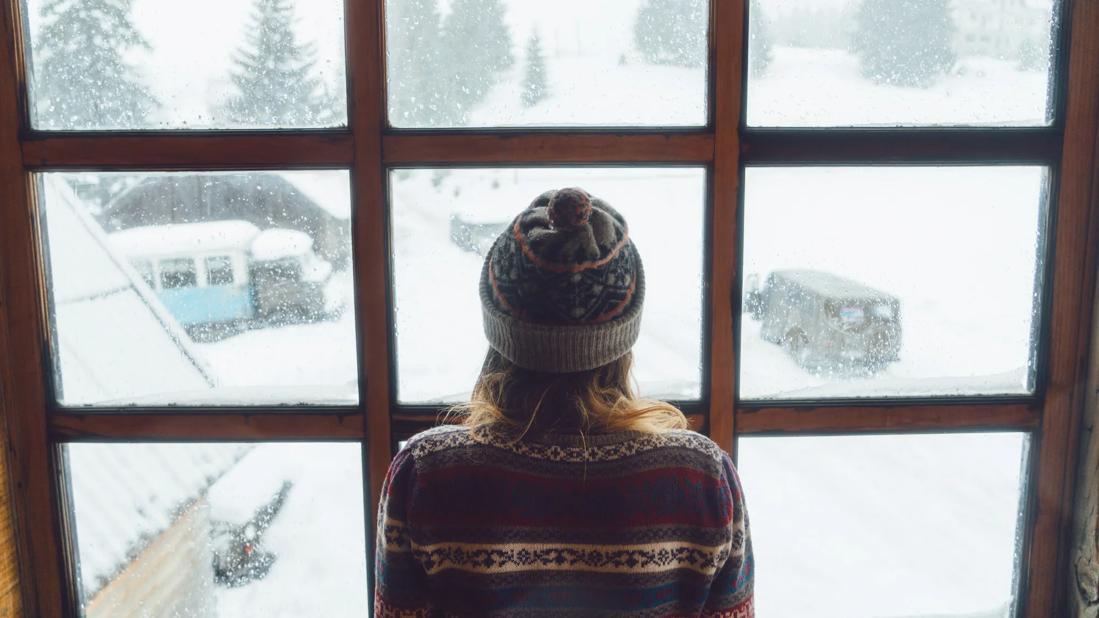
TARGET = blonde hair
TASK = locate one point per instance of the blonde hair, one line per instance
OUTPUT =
(520, 401)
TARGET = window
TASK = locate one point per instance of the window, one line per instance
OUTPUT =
(226, 244)
(178, 273)
(219, 270)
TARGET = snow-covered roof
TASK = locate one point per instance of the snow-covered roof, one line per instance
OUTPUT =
(277, 243)
(188, 238)
(115, 341)
(128, 494)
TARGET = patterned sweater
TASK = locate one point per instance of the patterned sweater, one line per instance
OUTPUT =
(623, 524)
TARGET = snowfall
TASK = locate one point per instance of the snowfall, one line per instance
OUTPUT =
(867, 526)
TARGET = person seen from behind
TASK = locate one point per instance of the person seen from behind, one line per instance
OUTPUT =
(562, 493)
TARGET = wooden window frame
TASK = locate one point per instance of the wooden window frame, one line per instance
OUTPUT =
(1051, 416)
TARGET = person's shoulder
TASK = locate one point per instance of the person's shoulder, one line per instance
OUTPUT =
(441, 438)
(691, 440)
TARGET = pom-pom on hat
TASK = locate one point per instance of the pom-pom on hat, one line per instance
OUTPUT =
(562, 287)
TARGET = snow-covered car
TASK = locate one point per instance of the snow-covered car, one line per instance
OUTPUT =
(475, 236)
(239, 557)
(288, 278)
(826, 322)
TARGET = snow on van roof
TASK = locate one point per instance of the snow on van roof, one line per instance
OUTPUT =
(827, 284)
(278, 243)
(184, 238)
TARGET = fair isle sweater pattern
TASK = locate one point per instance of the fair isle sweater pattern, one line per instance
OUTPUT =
(472, 523)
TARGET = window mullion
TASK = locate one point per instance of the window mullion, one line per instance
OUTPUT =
(884, 416)
(727, 38)
(366, 73)
(509, 147)
(209, 424)
(925, 145)
(200, 151)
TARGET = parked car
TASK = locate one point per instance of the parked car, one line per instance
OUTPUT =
(475, 237)
(239, 557)
(824, 321)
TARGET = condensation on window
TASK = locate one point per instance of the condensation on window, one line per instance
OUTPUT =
(901, 62)
(445, 220)
(472, 63)
(200, 64)
(891, 281)
(886, 525)
(203, 529)
(201, 288)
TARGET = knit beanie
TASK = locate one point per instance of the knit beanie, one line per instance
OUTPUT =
(562, 286)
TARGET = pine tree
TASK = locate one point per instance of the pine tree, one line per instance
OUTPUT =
(759, 40)
(413, 40)
(535, 88)
(478, 50)
(81, 79)
(275, 75)
(672, 32)
(904, 42)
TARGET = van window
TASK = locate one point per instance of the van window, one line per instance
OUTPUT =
(178, 273)
(219, 270)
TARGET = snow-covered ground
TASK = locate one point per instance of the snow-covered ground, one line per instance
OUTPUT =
(876, 526)
(822, 87)
(310, 363)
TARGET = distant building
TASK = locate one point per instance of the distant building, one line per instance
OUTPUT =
(316, 203)
(1004, 29)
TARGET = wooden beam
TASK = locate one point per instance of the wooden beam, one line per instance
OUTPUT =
(1083, 565)
(1082, 577)
(42, 571)
(189, 151)
(1073, 281)
(410, 149)
(727, 49)
(196, 426)
(10, 590)
(886, 418)
(366, 72)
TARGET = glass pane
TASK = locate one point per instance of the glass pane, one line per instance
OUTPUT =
(477, 63)
(201, 288)
(444, 221)
(869, 526)
(182, 530)
(900, 62)
(890, 281)
(149, 64)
